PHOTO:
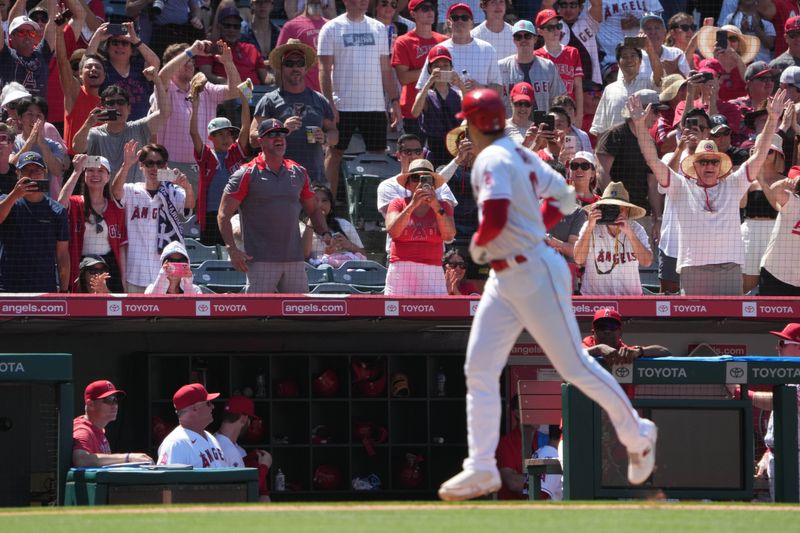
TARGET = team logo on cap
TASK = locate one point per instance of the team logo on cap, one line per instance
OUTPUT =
(709, 147)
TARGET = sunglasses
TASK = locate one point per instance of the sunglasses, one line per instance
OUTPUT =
(462, 18)
(683, 27)
(93, 271)
(574, 165)
(384, 3)
(292, 63)
(118, 42)
(552, 27)
(230, 26)
(31, 34)
(783, 343)
(274, 134)
(733, 39)
(424, 8)
(111, 400)
(707, 162)
(794, 34)
(416, 178)
(573, 5)
(411, 151)
(722, 133)
(149, 163)
(176, 259)
(522, 103)
(456, 264)
(117, 102)
(523, 35)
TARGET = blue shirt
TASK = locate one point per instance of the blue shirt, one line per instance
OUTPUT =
(136, 84)
(28, 238)
(31, 71)
(218, 183)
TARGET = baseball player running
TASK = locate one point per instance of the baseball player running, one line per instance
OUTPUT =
(529, 287)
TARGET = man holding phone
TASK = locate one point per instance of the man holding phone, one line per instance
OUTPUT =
(34, 233)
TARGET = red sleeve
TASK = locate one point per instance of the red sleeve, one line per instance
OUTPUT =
(83, 439)
(244, 186)
(306, 193)
(397, 205)
(495, 216)
(263, 472)
(550, 213)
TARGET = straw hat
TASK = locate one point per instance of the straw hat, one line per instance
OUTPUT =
(749, 45)
(617, 194)
(670, 85)
(419, 167)
(454, 137)
(705, 149)
(276, 56)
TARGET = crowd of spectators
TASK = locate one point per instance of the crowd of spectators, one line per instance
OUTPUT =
(676, 123)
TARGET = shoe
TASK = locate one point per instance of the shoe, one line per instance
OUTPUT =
(640, 464)
(470, 484)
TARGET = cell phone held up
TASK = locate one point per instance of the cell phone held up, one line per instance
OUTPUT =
(167, 174)
(107, 115)
(608, 214)
(214, 49)
(541, 117)
(722, 40)
(116, 29)
(635, 42)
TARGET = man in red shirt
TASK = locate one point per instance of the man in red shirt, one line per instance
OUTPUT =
(305, 27)
(408, 57)
(509, 457)
(90, 448)
(606, 341)
(246, 56)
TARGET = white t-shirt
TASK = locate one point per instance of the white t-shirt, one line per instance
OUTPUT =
(586, 29)
(668, 240)
(611, 32)
(611, 266)
(764, 53)
(502, 42)
(783, 249)
(357, 48)
(141, 215)
(707, 218)
(668, 53)
(506, 170)
(477, 57)
(234, 454)
(185, 447)
(318, 245)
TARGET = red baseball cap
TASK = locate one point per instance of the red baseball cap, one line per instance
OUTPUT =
(791, 24)
(794, 172)
(545, 16)
(711, 65)
(792, 330)
(97, 390)
(192, 394)
(463, 6)
(439, 52)
(607, 312)
(240, 405)
(414, 4)
(522, 91)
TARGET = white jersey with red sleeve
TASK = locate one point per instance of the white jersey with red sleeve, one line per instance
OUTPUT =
(506, 170)
(185, 447)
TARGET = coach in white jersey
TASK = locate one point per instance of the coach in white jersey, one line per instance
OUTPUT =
(529, 288)
(190, 443)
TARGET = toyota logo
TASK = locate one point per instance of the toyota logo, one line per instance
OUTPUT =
(736, 372)
(622, 371)
(391, 307)
(114, 307)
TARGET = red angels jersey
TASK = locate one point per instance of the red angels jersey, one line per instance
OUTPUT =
(184, 446)
(506, 170)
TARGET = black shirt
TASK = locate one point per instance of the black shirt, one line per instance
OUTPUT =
(629, 165)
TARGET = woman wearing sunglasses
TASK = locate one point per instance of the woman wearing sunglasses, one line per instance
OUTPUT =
(455, 270)
(740, 51)
(97, 224)
(419, 225)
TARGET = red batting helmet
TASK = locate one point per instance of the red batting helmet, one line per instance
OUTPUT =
(256, 431)
(410, 474)
(287, 388)
(327, 383)
(327, 477)
(484, 109)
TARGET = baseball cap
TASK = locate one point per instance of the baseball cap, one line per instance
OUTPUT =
(718, 123)
(712, 66)
(523, 25)
(647, 97)
(546, 15)
(19, 22)
(608, 313)
(13, 95)
(192, 394)
(439, 52)
(589, 158)
(757, 69)
(414, 4)
(792, 330)
(271, 124)
(463, 6)
(794, 172)
(648, 16)
(97, 390)
(791, 24)
(219, 124)
(91, 260)
(791, 76)
(522, 91)
(670, 85)
(28, 158)
(228, 12)
(240, 405)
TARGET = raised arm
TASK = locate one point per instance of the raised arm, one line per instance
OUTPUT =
(50, 27)
(150, 57)
(646, 143)
(197, 141)
(131, 152)
(70, 85)
(231, 73)
(775, 106)
(596, 10)
(163, 110)
(81, 140)
(198, 48)
(78, 164)
(244, 133)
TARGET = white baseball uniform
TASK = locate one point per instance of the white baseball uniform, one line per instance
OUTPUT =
(533, 294)
(551, 483)
(185, 447)
(234, 454)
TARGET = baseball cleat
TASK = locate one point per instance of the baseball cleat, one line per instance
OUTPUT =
(640, 464)
(470, 484)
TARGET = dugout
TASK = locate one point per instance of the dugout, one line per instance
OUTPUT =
(36, 406)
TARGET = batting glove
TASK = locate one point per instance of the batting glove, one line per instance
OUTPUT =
(479, 254)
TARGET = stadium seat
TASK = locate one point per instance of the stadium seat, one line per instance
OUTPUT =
(219, 276)
(198, 252)
(335, 288)
(191, 229)
(318, 275)
(361, 274)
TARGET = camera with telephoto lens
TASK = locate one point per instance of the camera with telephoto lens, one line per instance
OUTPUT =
(158, 6)
(608, 214)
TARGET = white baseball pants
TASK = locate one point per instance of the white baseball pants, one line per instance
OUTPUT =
(535, 295)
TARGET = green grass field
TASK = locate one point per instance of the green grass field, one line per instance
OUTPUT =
(483, 517)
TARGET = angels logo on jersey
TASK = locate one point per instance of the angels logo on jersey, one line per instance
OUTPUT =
(488, 181)
(210, 455)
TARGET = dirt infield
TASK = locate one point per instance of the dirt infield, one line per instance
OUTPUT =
(419, 506)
